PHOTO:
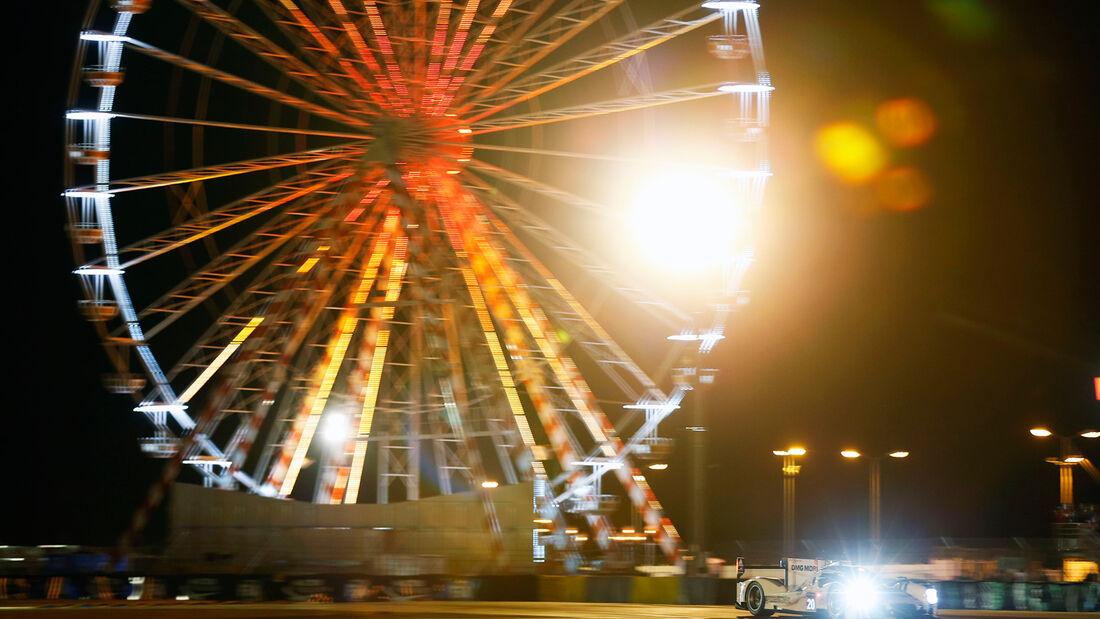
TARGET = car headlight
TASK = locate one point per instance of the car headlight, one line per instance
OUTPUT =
(861, 593)
(931, 596)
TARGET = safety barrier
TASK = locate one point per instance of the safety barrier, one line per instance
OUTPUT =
(954, 595)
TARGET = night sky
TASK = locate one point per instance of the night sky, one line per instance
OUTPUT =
(947, 330)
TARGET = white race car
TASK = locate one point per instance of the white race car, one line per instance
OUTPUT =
(804, 586)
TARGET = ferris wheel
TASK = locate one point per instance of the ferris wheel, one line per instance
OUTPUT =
(304, 236)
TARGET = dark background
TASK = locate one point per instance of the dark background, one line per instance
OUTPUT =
(948, 331)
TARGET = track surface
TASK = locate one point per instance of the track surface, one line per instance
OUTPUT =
(432, 610)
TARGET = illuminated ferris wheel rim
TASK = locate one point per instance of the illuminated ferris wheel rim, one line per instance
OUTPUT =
(107, 272)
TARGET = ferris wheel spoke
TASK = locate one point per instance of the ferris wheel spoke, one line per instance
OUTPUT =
(287, 63)
(510, 61)
(287, 347)
(595, 109)
(224, 270)
(517, 216)
(241, 83)
(486, 293)
(289, 273)
(323, 53)
(242, 126)
(635, 161)
(353, 34)
(456, 66)
(560, 195)
(343, 151)
(588, 333)
(603, 56)
(284, 474)
(385, 46)
(232, 214)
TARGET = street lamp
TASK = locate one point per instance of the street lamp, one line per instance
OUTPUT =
(790, 472)
(876, 486)
(1067, 458)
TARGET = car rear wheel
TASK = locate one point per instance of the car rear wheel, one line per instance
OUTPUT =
(755, 600)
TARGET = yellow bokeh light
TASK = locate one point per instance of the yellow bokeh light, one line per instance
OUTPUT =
(905, 122)
(903, 189)
(850, 151)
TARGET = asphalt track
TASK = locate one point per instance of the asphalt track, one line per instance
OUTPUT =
(427, 610)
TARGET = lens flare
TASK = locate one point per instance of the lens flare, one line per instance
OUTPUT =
(850, 152)
(905, 122)
(903, 189)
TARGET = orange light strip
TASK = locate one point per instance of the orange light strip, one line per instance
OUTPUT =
(348, 24)
(454, 82)
(433, 82)
(527, 311)
(224, 355)
(370, 395)
(384, 45)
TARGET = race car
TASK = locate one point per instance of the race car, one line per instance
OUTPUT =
(840, 591)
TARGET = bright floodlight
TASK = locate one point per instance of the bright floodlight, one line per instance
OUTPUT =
(850, 453)
(686, 219)
(797, 451)
(1039, 432)
(489, 484)
(334, 429)
(1074, 459)
(660, 466)
(899, 454)
(1090, 434)
(862, 593)
(780, 452)
(87, 115)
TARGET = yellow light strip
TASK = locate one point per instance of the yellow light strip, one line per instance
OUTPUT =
(308, 264)
(337, 349)
(220, 359)
(378, 359)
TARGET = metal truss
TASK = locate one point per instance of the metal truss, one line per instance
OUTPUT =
(596, 109)
(596, 59)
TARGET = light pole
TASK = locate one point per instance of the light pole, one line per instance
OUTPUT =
(1067, 458)
(790, 473)
(876, 487)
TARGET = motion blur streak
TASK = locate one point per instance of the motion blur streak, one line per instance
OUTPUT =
(850, 152)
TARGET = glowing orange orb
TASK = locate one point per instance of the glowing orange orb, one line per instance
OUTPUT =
(905, 122)
(903, 189)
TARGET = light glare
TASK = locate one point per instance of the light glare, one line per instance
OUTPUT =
(686, 219)
(850, 453)
(1040, 432)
